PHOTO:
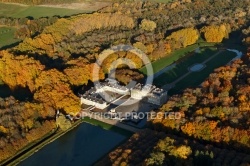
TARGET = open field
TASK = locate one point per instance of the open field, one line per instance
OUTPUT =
(194, 79)
(174, 56)
(7, 37)
(20, 11)
(182, 67)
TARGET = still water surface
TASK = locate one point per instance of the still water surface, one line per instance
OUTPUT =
(82, 146)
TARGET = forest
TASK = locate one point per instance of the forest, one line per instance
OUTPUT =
(56, 57)
(214, 128)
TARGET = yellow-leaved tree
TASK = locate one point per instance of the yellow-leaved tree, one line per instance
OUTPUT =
(184, 37)
(148, 25)
(216, 33)
(80, 71)
(47, 42)
(19, 70)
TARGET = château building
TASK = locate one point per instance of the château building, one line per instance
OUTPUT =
(153, 94)
(110, 90)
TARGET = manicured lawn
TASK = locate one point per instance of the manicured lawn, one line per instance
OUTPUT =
(16, 11)
(182, 67)
(196, 78)
(174, 56)
(7, 36)
(168, 60)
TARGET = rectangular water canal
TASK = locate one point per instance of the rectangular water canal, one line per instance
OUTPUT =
(83, 145)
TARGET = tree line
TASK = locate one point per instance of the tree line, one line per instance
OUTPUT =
(149, 147)
(22, 123)
(217, 111)
(27, 27)
(213, 130)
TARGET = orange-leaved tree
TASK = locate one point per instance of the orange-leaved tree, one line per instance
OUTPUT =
(53, 90)
(80, 71)
(19, 70)
(184, 37)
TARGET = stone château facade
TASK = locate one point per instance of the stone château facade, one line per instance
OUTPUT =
(110, 90)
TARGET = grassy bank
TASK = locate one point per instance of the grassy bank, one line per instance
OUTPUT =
(26, 151)
(30, 149)
(52, 136)
(107, 126)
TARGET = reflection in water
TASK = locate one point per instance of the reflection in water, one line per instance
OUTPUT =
(81, 146)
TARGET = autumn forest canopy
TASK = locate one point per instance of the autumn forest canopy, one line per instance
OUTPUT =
(56, 57)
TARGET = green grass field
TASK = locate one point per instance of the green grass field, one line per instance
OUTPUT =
(174, 56)
(196, 78)
(17, 11)
(182, 67)
(7, 36)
